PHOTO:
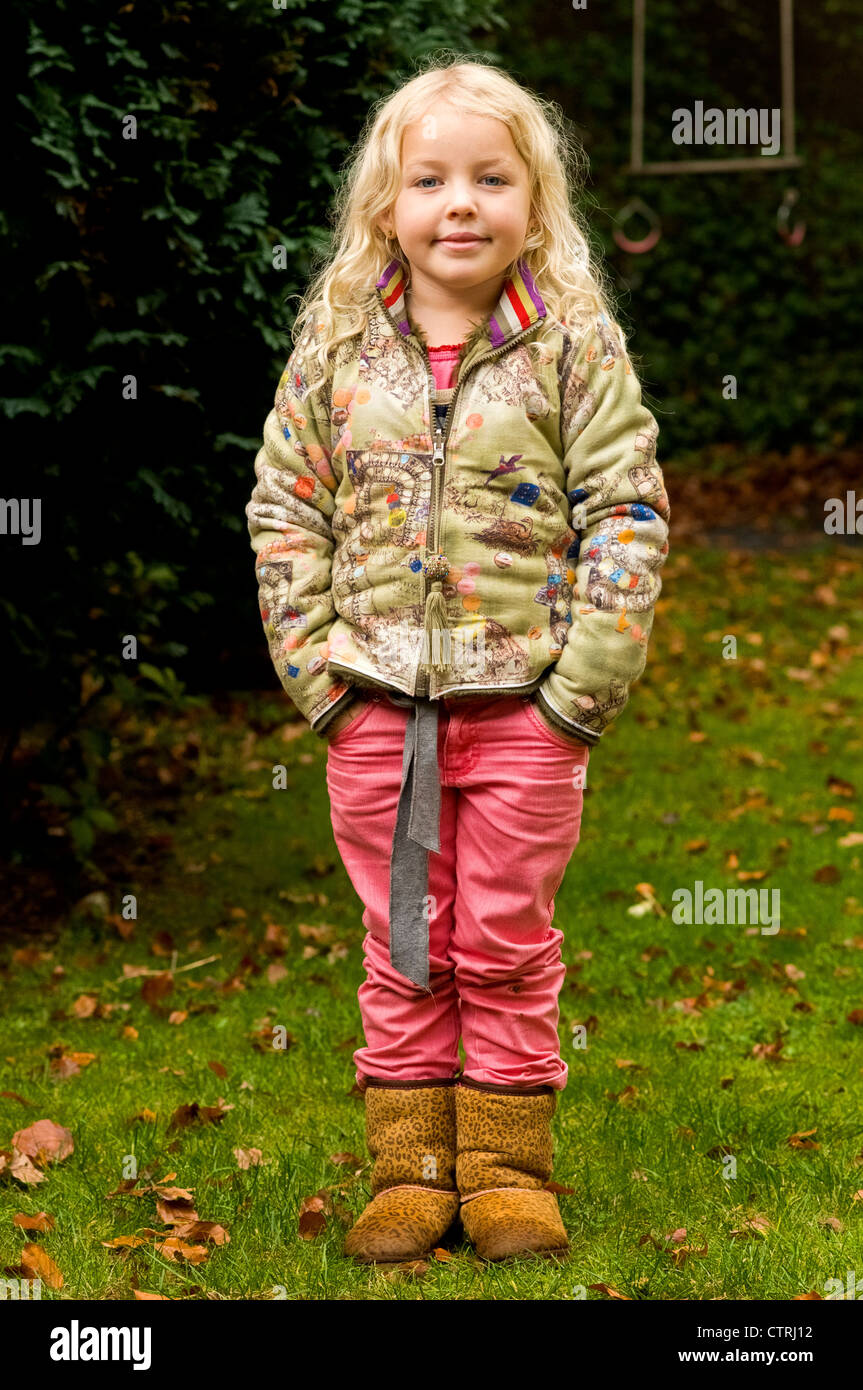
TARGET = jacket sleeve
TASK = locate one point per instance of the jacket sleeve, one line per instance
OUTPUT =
(289, 517)
(620, 513)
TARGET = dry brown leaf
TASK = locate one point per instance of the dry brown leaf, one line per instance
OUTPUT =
(203, 1230)
(44, 1138)
(324, 934)
(837, 786)
(40, 1222)
(13, 1095)
(39, 1265)
(172, 1194)
(175, 1213)
(156, 987)
(192, 1114)
(802, 1140)
(85, 1005)
(173, 1249)
(753, 1226)
(248, 1158)
(346, 1160)
(22, 1169)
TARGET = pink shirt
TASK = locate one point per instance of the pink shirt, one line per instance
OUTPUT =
(443, 363)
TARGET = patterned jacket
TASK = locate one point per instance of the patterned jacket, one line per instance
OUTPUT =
(506, 540)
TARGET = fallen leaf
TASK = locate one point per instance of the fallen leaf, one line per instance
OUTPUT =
(248, 1158)
(174, 1248)
(839, 787)
(40, 1222)
(827, 874)
(85, 1005)
(802, 1140)
(156, 987)
(203, 1230)
(192, 1114)
(22, 1169)
(39, 1265)
(13, 1095)
(176, 1213)
(146, 1117)
(44, 1138)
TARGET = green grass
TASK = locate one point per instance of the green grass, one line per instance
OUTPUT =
(768, 742)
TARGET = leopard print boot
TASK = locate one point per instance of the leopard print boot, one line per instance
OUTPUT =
(503, 1159)
(410, 1131)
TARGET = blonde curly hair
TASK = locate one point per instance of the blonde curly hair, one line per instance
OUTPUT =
(572, 284)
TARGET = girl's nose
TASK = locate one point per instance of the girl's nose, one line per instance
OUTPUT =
(461, 200)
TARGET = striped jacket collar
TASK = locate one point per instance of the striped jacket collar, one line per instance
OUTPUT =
(520, 305)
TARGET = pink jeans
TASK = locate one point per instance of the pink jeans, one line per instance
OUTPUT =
(511, 801)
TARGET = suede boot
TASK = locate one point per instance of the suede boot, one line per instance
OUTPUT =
(410, 1131)
(503, 1159)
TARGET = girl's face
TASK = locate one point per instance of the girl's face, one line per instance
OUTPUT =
(460, 173)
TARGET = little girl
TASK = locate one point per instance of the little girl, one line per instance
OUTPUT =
(459, 524)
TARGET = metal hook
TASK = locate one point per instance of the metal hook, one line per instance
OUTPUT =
(798, 232)
(647, 243)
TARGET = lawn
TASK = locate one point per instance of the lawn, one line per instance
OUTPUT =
(710, 1139)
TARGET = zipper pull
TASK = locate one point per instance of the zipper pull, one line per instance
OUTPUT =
(438, 445)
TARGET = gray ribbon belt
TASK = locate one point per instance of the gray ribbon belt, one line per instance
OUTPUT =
(417, 831)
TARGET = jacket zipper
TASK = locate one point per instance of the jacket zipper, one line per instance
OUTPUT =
(424, 679)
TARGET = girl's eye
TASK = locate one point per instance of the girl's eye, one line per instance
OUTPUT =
(433, 177)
